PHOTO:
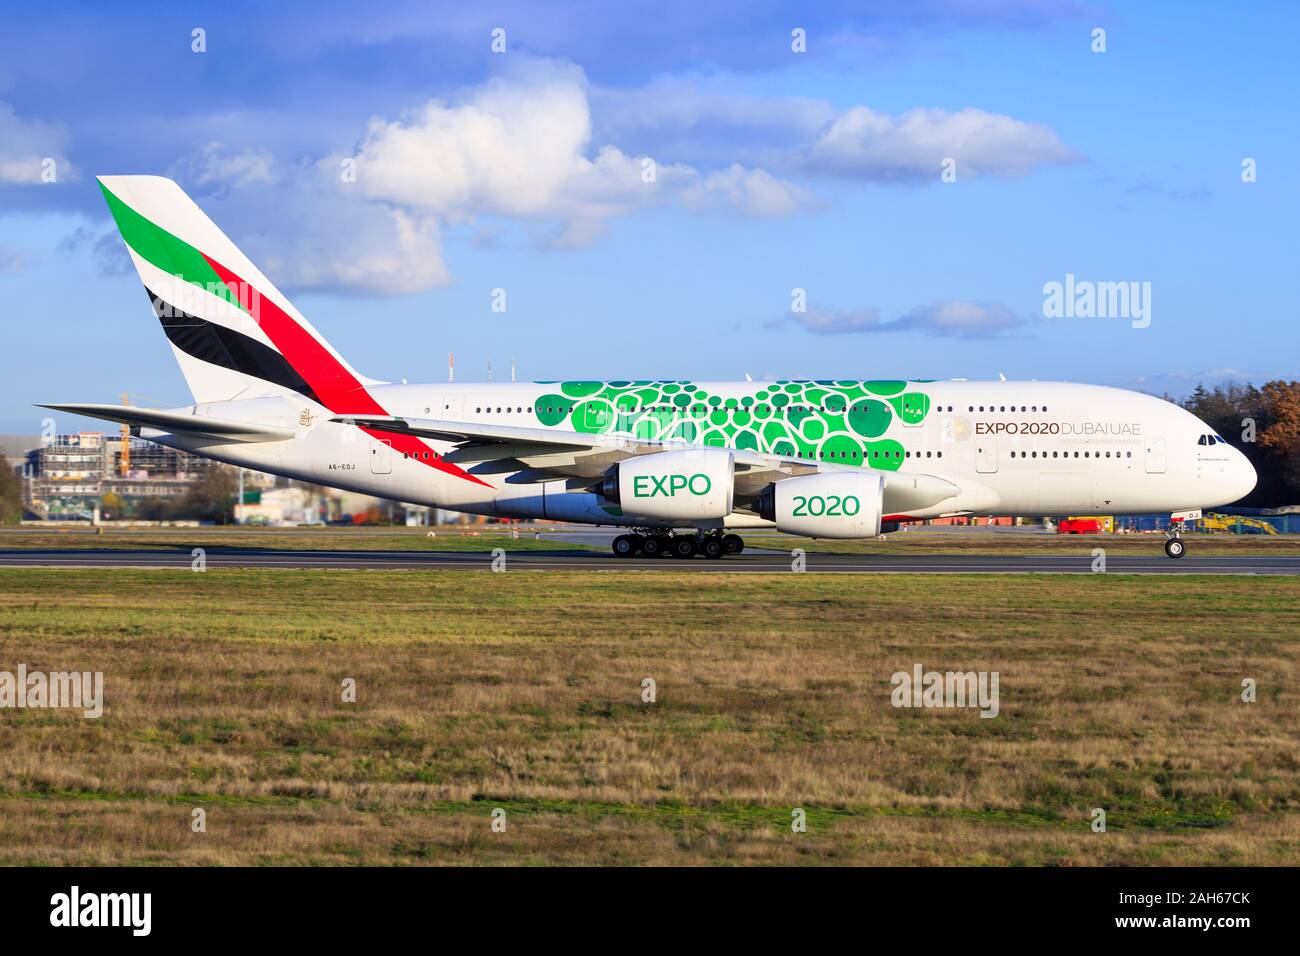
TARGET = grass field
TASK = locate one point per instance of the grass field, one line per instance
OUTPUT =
(522, 691)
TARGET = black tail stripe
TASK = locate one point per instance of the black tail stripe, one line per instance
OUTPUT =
(214, 343)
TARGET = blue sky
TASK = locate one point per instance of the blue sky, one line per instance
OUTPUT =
(774, 171)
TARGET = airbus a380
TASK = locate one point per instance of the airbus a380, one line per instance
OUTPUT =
(683, 465)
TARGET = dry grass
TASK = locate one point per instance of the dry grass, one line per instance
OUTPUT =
(522, 691)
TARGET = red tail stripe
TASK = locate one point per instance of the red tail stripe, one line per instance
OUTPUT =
(338, 388)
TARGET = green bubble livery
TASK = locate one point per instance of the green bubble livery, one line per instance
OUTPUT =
(844, 421)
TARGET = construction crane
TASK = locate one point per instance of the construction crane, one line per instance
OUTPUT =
(124, 460)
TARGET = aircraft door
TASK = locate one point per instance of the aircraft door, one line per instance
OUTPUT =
(381, 457)
(986, 455)
(1156, 457)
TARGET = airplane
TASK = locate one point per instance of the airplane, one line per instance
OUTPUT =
(682, 465)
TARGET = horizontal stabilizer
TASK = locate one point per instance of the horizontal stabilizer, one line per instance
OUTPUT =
(179, 422)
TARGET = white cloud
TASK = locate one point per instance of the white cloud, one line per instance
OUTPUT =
(706, 119)
(214, 165)
(320, 240)
(25, 145)
(520, 147)
(864, 144)
(837, 321)
(960, 319)
(753, 192)
(955, 318)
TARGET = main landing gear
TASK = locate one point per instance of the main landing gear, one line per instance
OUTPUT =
(656, 544)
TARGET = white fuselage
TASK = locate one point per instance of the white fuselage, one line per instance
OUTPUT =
(1012, 448)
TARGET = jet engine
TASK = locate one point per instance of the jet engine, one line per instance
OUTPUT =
(826, 505)
(688, 485)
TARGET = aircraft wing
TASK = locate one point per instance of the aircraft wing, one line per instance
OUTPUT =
(179, 422)
(545, 454)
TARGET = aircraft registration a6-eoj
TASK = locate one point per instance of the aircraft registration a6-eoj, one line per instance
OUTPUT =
(683, 465)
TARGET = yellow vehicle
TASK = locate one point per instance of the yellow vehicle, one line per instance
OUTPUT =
(1232, 523)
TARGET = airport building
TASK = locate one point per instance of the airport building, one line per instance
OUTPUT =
(85, 476)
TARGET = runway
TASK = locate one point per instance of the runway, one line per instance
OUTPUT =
(752, 562)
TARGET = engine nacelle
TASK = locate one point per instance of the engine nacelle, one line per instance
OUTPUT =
(688, 485)
(828, 505)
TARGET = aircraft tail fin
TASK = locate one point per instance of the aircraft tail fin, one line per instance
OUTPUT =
(233, 333)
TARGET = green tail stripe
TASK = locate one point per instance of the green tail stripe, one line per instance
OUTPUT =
(160, 248)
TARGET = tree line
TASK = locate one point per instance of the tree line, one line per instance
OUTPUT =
(1264, 423)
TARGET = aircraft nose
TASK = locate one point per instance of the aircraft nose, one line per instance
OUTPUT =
(1241, 476)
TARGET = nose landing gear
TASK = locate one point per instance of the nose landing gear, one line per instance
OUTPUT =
(1174, 545)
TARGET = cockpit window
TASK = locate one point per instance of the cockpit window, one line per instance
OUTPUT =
(1201, 440)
